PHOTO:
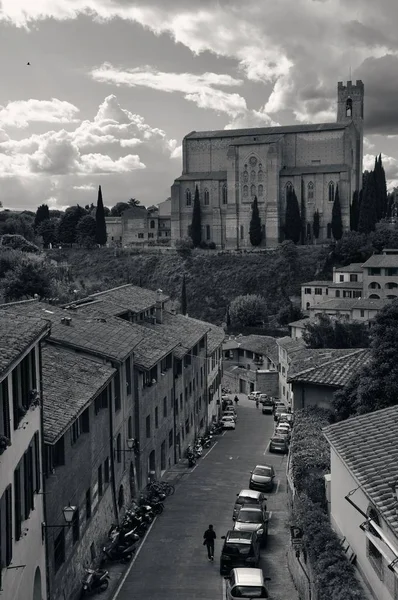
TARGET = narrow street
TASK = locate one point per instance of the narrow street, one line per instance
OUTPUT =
(172, 563)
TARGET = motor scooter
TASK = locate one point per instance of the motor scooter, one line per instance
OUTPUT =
(95, 581)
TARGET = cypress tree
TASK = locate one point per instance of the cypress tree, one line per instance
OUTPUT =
(383, 189)
(303, 219)
(255, 232)
(42, 214)
(100, 232)
(316, 224)
(354, 211)
(183, 297)
(292, 219)
(337, 223)
(196, 226)
(367, 211)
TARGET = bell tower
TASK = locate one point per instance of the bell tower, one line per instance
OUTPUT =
(350, 103)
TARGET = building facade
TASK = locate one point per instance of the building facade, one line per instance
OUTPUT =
(380, 275)
(231, 167)
(139, 225)
(22, 547)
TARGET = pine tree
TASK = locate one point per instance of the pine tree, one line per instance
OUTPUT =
(316, 224)
(337, 223)
(292, 220)
(100, 233)
(255, 232)
(196, 226)
(42, 214)
(354, 211)
(367, 211)
(183, 297)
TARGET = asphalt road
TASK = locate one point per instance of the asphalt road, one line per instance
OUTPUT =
(172, 563)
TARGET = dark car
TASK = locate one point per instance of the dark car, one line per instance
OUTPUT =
(262, 478)
(240, 549)
(253, 518)
(250, 498)
(278, 444)
(279, 410)
(268, 406)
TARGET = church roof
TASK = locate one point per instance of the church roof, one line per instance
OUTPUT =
(218, 175)
(307, 128)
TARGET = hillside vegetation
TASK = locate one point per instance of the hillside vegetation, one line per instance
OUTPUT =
(212, 280)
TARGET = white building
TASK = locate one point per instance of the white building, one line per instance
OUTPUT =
(362, 496)
(22, 548)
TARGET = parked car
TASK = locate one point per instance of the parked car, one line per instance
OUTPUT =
(262, 478)
(286, 418)
(230, 412)
(228, 422)
(248, 498)
(278, 412)
(226, 399)
(253, 518)
(255, 395)
(268, 406)
(240, 549)
(278, 443)
(283, 430)
(246, 583)
(263, 397)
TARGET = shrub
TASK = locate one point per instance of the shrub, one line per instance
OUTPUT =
(211, 245)
(184, 247)
(9, 259)
(248, 310)
(18, 242)
(203, 245)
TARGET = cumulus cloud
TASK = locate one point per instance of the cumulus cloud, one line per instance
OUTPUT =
(20, 113)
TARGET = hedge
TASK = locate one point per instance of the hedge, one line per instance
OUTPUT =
(334, 576)
(309, 451)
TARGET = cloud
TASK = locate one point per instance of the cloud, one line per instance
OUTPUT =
(199, 89)
(85, 187)
(20, 113)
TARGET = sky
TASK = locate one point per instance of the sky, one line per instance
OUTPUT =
(114, 85)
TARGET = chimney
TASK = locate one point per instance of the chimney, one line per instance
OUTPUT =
(159, 306)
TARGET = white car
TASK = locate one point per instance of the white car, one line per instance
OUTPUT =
(254, 395)
(228, 422)
(283, 430)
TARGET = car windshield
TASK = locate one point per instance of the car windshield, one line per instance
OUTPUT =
(263, 471)
(250, 516)
(227, 418)
(246, 500)
(278, 440)
(236, 549)
(246, 591)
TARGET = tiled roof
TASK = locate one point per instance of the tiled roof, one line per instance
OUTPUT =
(382, 260)
(230, 344)
(289, 344)
(306, 358)
(261, 344)
(16, 334)
(70, 381)
(316, 282)
(217, 175)
(215, 338)
(301, 323)
(288, 171)
(130, 297)
(335, 372)
(371, 303)
(113, 338)
(154, 346)
(266, 130)
(351, 303)
(354, 285)
(368, 446)
(352, 268)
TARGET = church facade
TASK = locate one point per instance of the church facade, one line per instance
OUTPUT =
(231, 167)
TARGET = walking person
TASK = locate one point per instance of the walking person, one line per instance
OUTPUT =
(236, 399)
(208, 540)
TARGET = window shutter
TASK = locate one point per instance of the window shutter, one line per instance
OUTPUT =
(37, 462)
(17, 502)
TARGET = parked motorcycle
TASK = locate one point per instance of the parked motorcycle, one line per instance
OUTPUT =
(95, 581)
(120, 553)
(191, 460)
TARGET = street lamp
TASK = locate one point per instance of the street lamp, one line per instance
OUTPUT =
(68, 512)
(130, 443)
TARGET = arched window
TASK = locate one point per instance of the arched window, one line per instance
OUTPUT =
(152, 225)
(329, 230)
(374, 286)
(331, 191)
(308, 230)
(245, 191)
(253, 175)
(374, 297)
(241, 232)
(288, 188)
(348, 108)
(206, 197)
(224, 194)
(253, 190)
(391, 296)
(188, 197)
(260, 175)
(391, 285)
(310, 191)
(260, 190)
(374, 555)
(245, 176)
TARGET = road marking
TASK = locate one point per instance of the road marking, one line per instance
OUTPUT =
(277, 486)
(266, 448)
(133, 561)
(207, 453)
(224, 588)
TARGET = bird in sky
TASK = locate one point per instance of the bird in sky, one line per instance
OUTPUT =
(28, 64)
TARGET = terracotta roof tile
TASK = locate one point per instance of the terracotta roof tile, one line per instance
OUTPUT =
(184, 331)
(306, 358)
(266, 130)
(368, 446)
(351, 268)
(382, 260)
(335, 372)
(130, 297)
(261, 344)
(70, 382)
(17, 332)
